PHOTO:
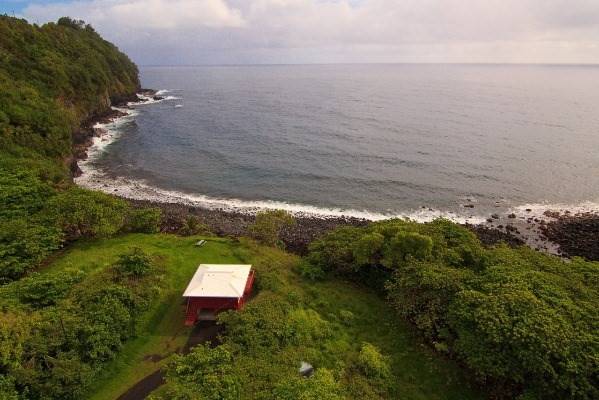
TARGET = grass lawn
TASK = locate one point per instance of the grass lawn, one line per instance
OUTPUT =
(161, 332)
(417, 372)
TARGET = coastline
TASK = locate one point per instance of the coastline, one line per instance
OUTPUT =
(567, 230)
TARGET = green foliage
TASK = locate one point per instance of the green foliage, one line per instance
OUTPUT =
(85, 213)
(22, 193)
(268, 225)
(144, 220)
(321, 386)
(192, 226)
(65, 326)
(53, 78)
(135, 263)
(369, 248)
(205, 373)
(23, 246)
(44, 290)
(372, 363)
(7, 388)
(513, 316)
(405, 245)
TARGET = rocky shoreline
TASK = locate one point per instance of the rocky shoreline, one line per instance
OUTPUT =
(564, 234)
(83, 138)
(576, 235)
(559, 232)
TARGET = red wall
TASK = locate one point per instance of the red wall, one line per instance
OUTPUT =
(217, 303)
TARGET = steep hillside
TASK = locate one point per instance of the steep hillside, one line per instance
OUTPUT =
(54, 80)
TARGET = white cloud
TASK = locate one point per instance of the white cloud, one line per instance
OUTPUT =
(144, 14)
(221, 31)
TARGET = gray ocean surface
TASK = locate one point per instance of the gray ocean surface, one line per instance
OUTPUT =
(382, 138)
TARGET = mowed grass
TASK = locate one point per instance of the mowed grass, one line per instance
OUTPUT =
(418, 373)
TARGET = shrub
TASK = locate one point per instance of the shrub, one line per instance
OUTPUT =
(136, 263)
(422, 292)
(21, 192)
(85, 213)
(321, 386)
(407, 244)
(311, 271)
(306, 326)
(144, 220)
(7, 388)
(372, 363)
(334, 252)
(23, 246)
(205, 373)
(368, 250)
(193, 226)
(268, 225)
(346, 317)
(41, 290)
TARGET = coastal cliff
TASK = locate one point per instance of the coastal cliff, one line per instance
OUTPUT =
(55, 79)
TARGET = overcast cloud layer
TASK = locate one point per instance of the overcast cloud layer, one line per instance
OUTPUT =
(327, 31)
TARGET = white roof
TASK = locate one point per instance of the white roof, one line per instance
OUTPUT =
(218, 280)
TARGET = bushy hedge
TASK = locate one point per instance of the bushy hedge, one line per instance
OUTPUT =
(524, 322)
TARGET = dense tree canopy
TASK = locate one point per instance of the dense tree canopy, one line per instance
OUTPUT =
(524, 321)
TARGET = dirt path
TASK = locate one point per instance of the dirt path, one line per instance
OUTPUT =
(206, 331)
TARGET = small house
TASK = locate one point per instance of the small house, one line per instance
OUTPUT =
(217, 287)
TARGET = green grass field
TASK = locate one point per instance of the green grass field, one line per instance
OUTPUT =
(417, 372)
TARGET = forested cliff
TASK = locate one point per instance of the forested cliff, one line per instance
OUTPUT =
(54, 80)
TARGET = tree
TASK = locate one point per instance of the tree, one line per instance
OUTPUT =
(368, 250)
(144, 220)
(203, 374)
(407, 244)
(85, 213)
(268, 225)
(23, 246)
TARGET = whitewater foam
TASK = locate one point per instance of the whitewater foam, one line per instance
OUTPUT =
(94, 178)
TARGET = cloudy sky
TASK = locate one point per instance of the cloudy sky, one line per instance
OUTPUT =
(188, 32)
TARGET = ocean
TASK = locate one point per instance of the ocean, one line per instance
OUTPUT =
(374, 141)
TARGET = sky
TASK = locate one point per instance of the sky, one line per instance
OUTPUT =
(194, 32)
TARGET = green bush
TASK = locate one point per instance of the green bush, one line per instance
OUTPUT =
(205, 373)
(136, 263)
(321, 386)
(369, 248)
(88, 214)
(407, 244)
(22, 193)
(23, 246)
(144, 220)
(41, 290)
(346, 317)
(372, 363)
(268, 225)
(193, 226)
(7, 388)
